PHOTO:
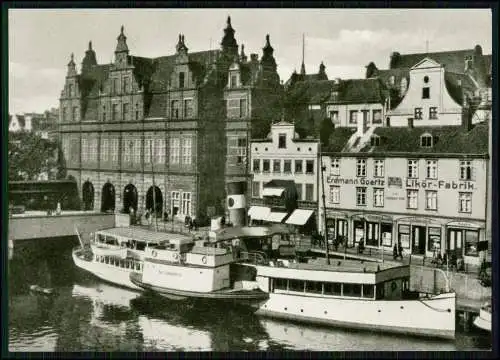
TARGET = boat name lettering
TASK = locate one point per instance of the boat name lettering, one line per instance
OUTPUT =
(169, 273)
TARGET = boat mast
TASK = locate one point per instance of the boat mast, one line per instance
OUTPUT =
(322, 169)
(154, 186)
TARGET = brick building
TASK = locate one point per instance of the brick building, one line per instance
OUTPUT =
(137, 120)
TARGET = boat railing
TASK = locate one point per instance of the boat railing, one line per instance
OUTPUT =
(121, 263)
(254, 257)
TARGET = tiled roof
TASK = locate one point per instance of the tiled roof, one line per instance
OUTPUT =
(448, 140)
(310, 92)
(359, 91)
(457, 85)
(453, 61)
(338, 139)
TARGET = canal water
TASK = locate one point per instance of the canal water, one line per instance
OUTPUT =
(87, 314)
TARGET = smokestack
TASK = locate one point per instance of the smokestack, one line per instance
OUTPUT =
(410, 123)
(236, 202)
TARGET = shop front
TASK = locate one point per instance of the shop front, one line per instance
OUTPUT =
(304, 221)
(336, 224)
(420, 236)
(374, 229)
(464, 240)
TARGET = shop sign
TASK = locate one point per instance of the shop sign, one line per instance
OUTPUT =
(440, 184)
(397, 182)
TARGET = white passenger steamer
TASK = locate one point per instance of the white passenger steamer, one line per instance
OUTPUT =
(124, 249)
(345, 293)
(483, 321)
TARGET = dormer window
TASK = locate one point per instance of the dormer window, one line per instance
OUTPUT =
(181, 80)
(282, 141)
(392, 80)
(335, 95)
(233, 81)
(375, 140)
(426, 141)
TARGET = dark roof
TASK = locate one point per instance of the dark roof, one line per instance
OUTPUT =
(453, 61)
(359, 91)
(278, 183)
(457, 85)
(448, 140)
(310, 92)
(338, 139)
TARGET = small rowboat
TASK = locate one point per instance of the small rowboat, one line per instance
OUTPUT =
(41, 290)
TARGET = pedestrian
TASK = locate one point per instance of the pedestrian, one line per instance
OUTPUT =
(191, 224)
(395, 252)
(400, 248)
(195, 224)
(222, 221)
(361, 246)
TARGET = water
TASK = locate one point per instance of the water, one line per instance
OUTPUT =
(86, 314)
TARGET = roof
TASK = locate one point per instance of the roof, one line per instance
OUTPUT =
(278, 183)
(143, 234)
(338, 138)
(453, 61)
(457, 85)
(356, 91)
(447, 140)
(310, 92)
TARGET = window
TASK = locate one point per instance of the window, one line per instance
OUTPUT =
(280, 284)
(333, 289)
(277, 166)
(431, 169)
(128, 146)
(105, 150)
(361, 196)
(296, 285)
(426, 140)
(425, 93)
(314, 287)
(418, 114)
(174, 150)
(186, 203)
(126, 89)
(93, 149)
(125, 111)
(114, 150)
(434, 239)
(413, 169)
(377, 116)
(353, 117)
(233, 108)
(115, 86)
(75, 113)
(148, 149)
(353, 290)
(471, 243)
(265, 165)
(186, 150)
(137, 151)
(161, 149)
(241, 150)
(334, 194)
(114, 114)
(465, 202)
(378, 197)
(366, 114)
(64, 114)
(243, 108)
(334, 116)
(360, 167)
(378, 168)
(256, 189)
(431, 200)
(234, 81)
(298, 167)
(137, 111)
(282, 141)
(465, 170)
(181, 80)
(374, 140)
(85, 149)
(299, 191)
(309, 192)
(70, 90)
(412, 199)
(309, 166)
(335, 166)
(174, 109)
(287, 168)
(256, 165)
(368, 291)
(433, 113)
(188, 108)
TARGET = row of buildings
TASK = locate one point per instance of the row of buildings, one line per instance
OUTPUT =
(404, 151)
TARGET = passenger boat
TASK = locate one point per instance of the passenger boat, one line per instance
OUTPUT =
(184, 268)
(112, 266)
(347, 293)
(483, 321)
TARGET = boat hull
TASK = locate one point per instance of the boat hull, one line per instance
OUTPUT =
(429, 317)
(106, 272)
(240, 296)
(483, 321)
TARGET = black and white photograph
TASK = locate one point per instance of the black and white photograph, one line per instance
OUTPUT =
(245, 179)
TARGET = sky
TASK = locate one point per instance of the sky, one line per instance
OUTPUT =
(345, 40)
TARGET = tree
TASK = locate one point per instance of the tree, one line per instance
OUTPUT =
(30, 155)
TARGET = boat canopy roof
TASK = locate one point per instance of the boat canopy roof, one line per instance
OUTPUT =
(148, 236)
(250, 232)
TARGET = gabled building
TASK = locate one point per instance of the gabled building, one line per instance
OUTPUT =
(18, 122)
(137, 120)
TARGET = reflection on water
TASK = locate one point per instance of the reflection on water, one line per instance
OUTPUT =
(86, 314)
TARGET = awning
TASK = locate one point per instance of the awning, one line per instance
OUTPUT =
(276, 217)
(258, 212)
(299, 217)
(272, 191)
(463, 224)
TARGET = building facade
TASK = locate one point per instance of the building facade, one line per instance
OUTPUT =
(139, 121)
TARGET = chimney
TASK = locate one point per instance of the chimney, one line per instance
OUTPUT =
(410, 123)
(466, 118)
(254, 57)
(388, 121)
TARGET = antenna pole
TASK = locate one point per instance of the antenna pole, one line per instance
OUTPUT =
(322, 169)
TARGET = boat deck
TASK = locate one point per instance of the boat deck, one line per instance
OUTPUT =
(138, 233)
(338, 265)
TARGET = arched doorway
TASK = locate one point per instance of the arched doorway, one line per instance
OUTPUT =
(88, 195)
(108, 198)
(129, 198)
(158, 199)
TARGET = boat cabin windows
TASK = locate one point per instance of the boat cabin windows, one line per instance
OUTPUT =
(327, 288)
(333, 289)
(314, 287)
(281, 284)
(368, 291)
(351, 290)
(107, 239)
(296, 285)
